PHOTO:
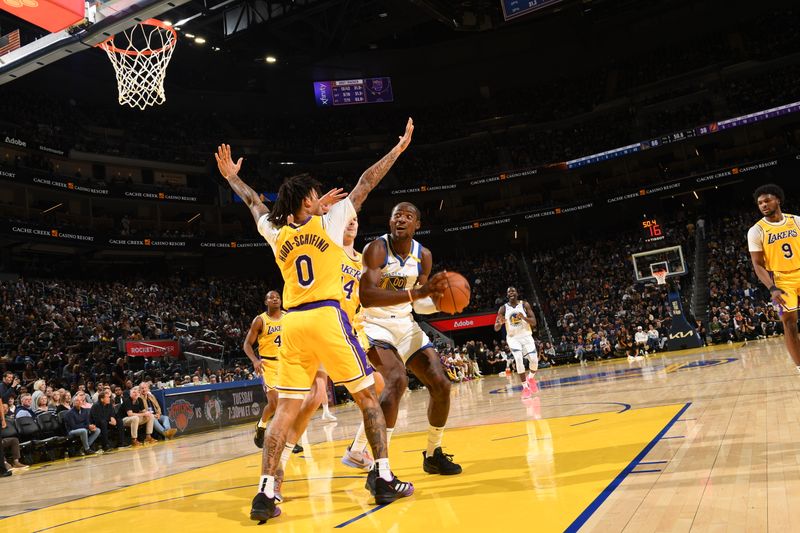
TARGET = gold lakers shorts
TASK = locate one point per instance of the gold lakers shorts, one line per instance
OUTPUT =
(315, 334)
(269, 366)
(788, 282)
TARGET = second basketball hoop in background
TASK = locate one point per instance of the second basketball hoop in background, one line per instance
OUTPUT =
(140, 57)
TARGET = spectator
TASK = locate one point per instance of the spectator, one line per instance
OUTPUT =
(653, 338)
(54, 400)
(65, 402)
(9, 386)
(701, 330)
(78, 424)
(8, 446)
(29, 376)
(160, 421)
(39, 389)
(136, 414)
(42, 406)
(640, 338)
(102, 416)
(25, 408)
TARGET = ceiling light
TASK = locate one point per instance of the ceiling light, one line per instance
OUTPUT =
(178, 28)
(272, 59)
(190, 35)
(167, 23)
(199, 40)
(383, 15)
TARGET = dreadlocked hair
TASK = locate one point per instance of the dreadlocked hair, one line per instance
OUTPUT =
(291, 194)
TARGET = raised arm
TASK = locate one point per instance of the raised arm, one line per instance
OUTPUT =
(230, 171)
(372, 295)
(374, 174)
(252, 336)
(530, 318)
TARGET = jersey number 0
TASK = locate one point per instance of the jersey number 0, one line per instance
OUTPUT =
(305, 272)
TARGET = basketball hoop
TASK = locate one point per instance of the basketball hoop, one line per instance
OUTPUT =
(140, 62)
(661, 277)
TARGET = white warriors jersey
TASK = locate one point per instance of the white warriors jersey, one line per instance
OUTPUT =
(515, 323)
(398, 274)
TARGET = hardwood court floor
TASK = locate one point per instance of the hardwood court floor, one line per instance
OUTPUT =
(694, 441)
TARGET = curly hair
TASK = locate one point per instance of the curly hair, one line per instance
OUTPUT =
(769, 188)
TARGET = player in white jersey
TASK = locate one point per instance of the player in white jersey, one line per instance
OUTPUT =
(395, 282)
(519, 320)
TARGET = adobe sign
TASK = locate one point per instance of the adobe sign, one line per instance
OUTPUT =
(464, 322)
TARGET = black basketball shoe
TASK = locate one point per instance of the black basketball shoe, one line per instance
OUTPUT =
(440, 463)
(263, 508)
(258, 438)
(386, 491)
(297, 449)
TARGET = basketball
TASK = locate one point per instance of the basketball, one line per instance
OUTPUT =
(456, 296)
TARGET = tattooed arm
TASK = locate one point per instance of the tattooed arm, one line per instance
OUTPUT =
(374, 174)
(229, 171)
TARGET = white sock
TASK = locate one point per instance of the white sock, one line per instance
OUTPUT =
(434, 439)
(360, 442)
(325, 410)
(286, 454)
(525, 385)
(389, 432)
(531, 375)
(262, 424)
(267, 486)
(798, 368)
(383, 469)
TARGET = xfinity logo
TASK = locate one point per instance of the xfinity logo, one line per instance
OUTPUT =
(463, 323)
(11, 140)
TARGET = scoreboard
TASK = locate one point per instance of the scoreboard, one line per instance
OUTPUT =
(517, 8)
(652, 230)
(353, 92)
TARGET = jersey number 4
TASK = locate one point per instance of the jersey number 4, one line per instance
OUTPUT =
(348, 288)
(278, 341)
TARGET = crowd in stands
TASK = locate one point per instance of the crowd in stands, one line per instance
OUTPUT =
(489, 276)
(92, 418)
(739, 306)
(592, 302)
(72, 331)
(556, 120)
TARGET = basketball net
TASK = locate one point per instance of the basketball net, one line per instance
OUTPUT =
(661, 277)
(140, 62)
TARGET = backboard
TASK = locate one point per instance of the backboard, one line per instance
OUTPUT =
(668, 259)
(102, 20)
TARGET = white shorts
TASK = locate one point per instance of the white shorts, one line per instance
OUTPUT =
(523, 345)
(402, 334)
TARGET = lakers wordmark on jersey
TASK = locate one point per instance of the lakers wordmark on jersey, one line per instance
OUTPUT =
(351, 279)
(269, 340)
(780, 243)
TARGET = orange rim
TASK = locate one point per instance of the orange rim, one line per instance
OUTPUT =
(108, 44)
